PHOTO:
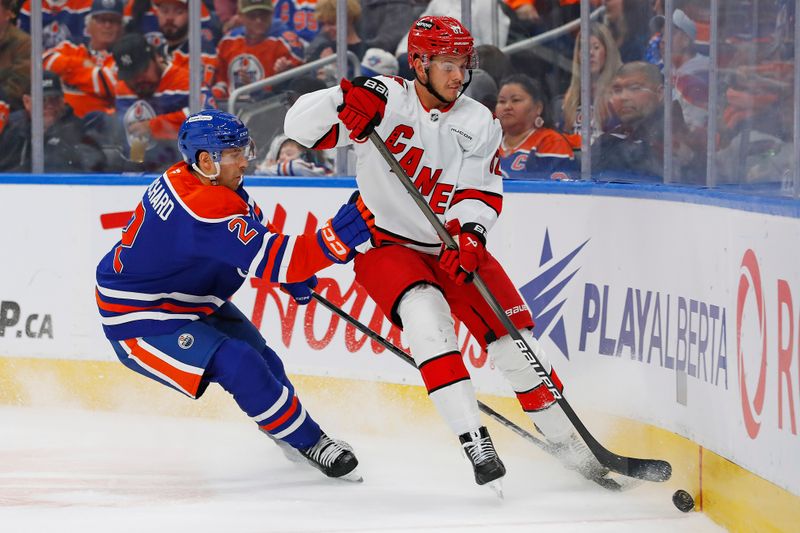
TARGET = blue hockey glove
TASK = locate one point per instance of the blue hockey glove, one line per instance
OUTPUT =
(350, 227)
(301, 290)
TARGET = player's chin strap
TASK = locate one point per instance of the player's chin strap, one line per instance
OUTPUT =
(429, 86)
(212, 177)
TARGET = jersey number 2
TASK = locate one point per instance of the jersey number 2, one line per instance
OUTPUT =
(239, 226)
(128, 236)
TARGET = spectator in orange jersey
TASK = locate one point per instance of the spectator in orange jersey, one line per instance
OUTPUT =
(152, 100)
(173, 23)
(249, 54)
(15, 56)
(531, 148)
(87, 70)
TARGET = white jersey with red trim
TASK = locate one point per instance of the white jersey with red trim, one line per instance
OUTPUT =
(451, 156)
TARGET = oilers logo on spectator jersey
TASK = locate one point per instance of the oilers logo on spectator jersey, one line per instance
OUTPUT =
(54, 33)
(156, 39)
(61, 20)
(139, 111)
(245, 69)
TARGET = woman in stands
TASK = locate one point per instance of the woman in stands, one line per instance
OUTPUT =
(531, 147)
(604, 61)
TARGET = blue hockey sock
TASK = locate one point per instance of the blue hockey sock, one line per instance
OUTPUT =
(265, 397)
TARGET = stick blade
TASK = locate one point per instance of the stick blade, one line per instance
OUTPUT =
(649, 469)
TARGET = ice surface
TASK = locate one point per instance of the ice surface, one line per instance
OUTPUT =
(80, 471)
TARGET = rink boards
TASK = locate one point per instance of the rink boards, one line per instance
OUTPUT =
(679, 311)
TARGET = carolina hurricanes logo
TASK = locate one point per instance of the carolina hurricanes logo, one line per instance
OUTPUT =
(244, 69)
(750, 284)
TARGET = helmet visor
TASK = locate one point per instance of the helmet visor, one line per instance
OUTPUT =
(233, 156)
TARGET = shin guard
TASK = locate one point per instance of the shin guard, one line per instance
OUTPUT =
(430, 333)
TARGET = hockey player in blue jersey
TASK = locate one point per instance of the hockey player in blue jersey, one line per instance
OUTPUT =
(163, 290)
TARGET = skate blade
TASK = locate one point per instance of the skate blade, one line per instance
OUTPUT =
(352, 477)
(496, 486)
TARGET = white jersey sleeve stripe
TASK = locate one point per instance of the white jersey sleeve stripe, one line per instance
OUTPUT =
(147, 315)
(149, 297)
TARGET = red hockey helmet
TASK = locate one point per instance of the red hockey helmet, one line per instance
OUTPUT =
(433, 36)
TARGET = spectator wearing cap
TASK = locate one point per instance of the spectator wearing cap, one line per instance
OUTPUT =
(68, 145)
(15, 57)
(87, 70)
(62, 20)
(378, 62)
(635, 148)
(531, 147)
(152, 99)
(249, 54)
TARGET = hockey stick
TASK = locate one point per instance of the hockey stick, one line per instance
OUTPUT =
(605, 482)
(363, 328)
(647, 469)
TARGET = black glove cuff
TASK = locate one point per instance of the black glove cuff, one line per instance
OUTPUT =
(475, 229)
(375, 86)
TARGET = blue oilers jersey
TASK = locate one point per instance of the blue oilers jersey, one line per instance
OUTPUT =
(297, 16)
(186, 250)
(63, 20)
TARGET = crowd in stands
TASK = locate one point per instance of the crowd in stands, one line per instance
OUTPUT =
(116, 81)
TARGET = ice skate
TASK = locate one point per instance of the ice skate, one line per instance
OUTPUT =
(334, 458)
(488, 467)
(575, 455)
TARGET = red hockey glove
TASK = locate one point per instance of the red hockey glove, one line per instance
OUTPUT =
(351, 226)
(461, 263)
(364, 102)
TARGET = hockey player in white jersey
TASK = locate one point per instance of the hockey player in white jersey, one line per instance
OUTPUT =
(448, 145)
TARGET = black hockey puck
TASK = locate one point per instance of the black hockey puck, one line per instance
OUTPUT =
(683, 500)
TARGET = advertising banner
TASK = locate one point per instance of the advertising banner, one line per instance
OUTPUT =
(682, 315)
